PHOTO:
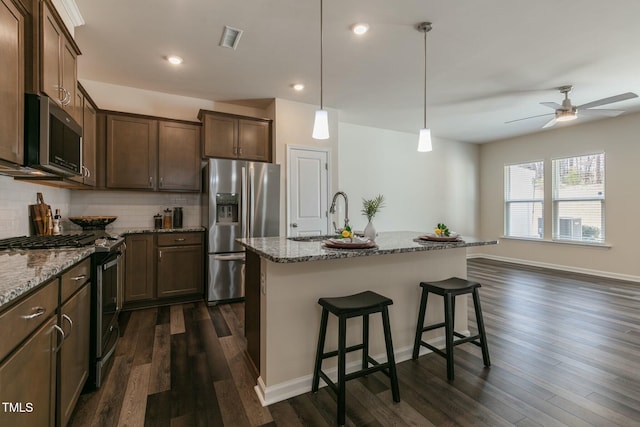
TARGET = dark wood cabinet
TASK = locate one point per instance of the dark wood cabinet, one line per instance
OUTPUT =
(58, 62)
(150, 154)
(235, 137)
(163, 268)
(11, 82)
(74, 352)
(88, 118)
(29, 338)
(139, 267)
(179, 156)
(180, 264)
(132, 152)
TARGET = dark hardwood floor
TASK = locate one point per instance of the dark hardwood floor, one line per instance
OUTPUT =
(565, 351)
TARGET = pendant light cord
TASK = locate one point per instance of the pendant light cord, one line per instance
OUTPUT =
(321, 50)
(425, 80)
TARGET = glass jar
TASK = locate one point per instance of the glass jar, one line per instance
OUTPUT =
(177, 217)
(167, 220)
(157, 221)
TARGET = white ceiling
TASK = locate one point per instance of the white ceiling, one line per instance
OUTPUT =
(489, 61)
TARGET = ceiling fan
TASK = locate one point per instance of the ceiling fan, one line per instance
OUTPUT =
(567, 111)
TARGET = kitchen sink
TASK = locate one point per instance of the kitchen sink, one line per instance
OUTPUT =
(312, 238)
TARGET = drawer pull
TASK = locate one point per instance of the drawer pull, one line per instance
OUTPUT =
(182, 239)
(68, 319)
(37, 312)
(59, 329)
(80, 277)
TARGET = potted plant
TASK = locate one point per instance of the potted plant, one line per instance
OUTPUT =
(370, 208)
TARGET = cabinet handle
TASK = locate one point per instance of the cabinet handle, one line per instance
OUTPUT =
(80, 277)
(182, 239)
(59, 329)
(68, 319)
(159, 256)
(160, 181)
(235, 150)
(150, 181)
(240, 150)
(67, 96)
(37, 312)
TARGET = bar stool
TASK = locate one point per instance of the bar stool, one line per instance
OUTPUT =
(362, 304)
(449, 289)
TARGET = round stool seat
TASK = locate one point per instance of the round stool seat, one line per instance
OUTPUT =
(364, 301)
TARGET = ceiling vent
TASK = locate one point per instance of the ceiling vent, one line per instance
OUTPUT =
(230, 37)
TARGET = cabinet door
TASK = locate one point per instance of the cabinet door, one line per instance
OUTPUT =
(220, 136)
(139, 272)
(74, 353)
(254, 140)
(11, 82)
(80, 178)
(89, 142)
(27, 378)
(69, 80)
(179, 270)
(179, 156)
(50, 63)
(132, 152)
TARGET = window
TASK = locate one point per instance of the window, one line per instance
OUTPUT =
(578, 198)
(524, 200)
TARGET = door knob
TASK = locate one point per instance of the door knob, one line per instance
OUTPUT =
(294, 225)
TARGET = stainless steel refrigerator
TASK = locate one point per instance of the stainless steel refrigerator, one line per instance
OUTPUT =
(241, 199)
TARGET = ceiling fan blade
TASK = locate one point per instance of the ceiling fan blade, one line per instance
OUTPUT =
(553, 105)
(550, 123)
(600, 113)
(530, 117)
(609, 100)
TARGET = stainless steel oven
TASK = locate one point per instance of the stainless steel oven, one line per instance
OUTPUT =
(108, 269)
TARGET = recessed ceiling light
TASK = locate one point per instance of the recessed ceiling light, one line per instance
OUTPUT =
(297, 87)
(360, 29)
(175, 60)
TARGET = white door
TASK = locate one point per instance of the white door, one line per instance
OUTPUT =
(307, 191)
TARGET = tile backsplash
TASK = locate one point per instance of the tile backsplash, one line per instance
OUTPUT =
(133, 209)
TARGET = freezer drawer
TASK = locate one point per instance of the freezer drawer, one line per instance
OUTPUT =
(226, 277)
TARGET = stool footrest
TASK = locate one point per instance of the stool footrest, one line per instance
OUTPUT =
(327, 380)
(472, 339)
(334, 353)
(432, 327)
(434, 349)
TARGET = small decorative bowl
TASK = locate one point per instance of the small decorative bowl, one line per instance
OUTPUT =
(92, 222)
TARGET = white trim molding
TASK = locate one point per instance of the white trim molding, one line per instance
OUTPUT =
(73, 11)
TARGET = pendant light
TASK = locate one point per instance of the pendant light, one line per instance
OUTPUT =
(321, 123)
(424, 142)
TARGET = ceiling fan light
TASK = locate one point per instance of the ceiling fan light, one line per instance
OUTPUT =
(321, 125)
(424, 141)
(566, 116)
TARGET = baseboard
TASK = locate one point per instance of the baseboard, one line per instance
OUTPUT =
(607, 274)
(297, 386)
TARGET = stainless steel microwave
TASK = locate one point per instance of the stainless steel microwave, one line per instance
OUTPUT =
(52, 138)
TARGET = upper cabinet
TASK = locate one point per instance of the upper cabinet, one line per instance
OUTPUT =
(152, 154)
(58, 62)
(11, 82)
(88, 121)
(235, 137)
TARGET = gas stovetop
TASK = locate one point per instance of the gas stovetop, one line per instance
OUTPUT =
(101, 242)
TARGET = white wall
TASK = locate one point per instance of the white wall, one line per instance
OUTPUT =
(293, 126)
(618, 139)
(420, 189)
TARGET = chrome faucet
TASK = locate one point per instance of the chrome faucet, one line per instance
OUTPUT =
(332, 209)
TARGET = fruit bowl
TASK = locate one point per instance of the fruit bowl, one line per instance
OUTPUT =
(92, 222)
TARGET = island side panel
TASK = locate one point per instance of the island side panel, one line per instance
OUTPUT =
(291, 314)
(252, 307)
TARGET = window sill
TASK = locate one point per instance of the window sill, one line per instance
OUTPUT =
(560, 242)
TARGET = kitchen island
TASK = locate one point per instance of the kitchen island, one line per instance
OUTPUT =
(285, 278)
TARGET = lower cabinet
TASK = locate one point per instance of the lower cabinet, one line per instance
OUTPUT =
(28, 380)
(164, 266)
(44, 351)
(74, 352)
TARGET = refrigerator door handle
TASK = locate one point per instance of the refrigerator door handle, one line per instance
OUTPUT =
(233, 257)
(245, 208)
(252, 195)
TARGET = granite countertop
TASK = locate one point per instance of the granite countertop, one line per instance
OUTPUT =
(284, 250)
(21, 271)
(123, 231)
